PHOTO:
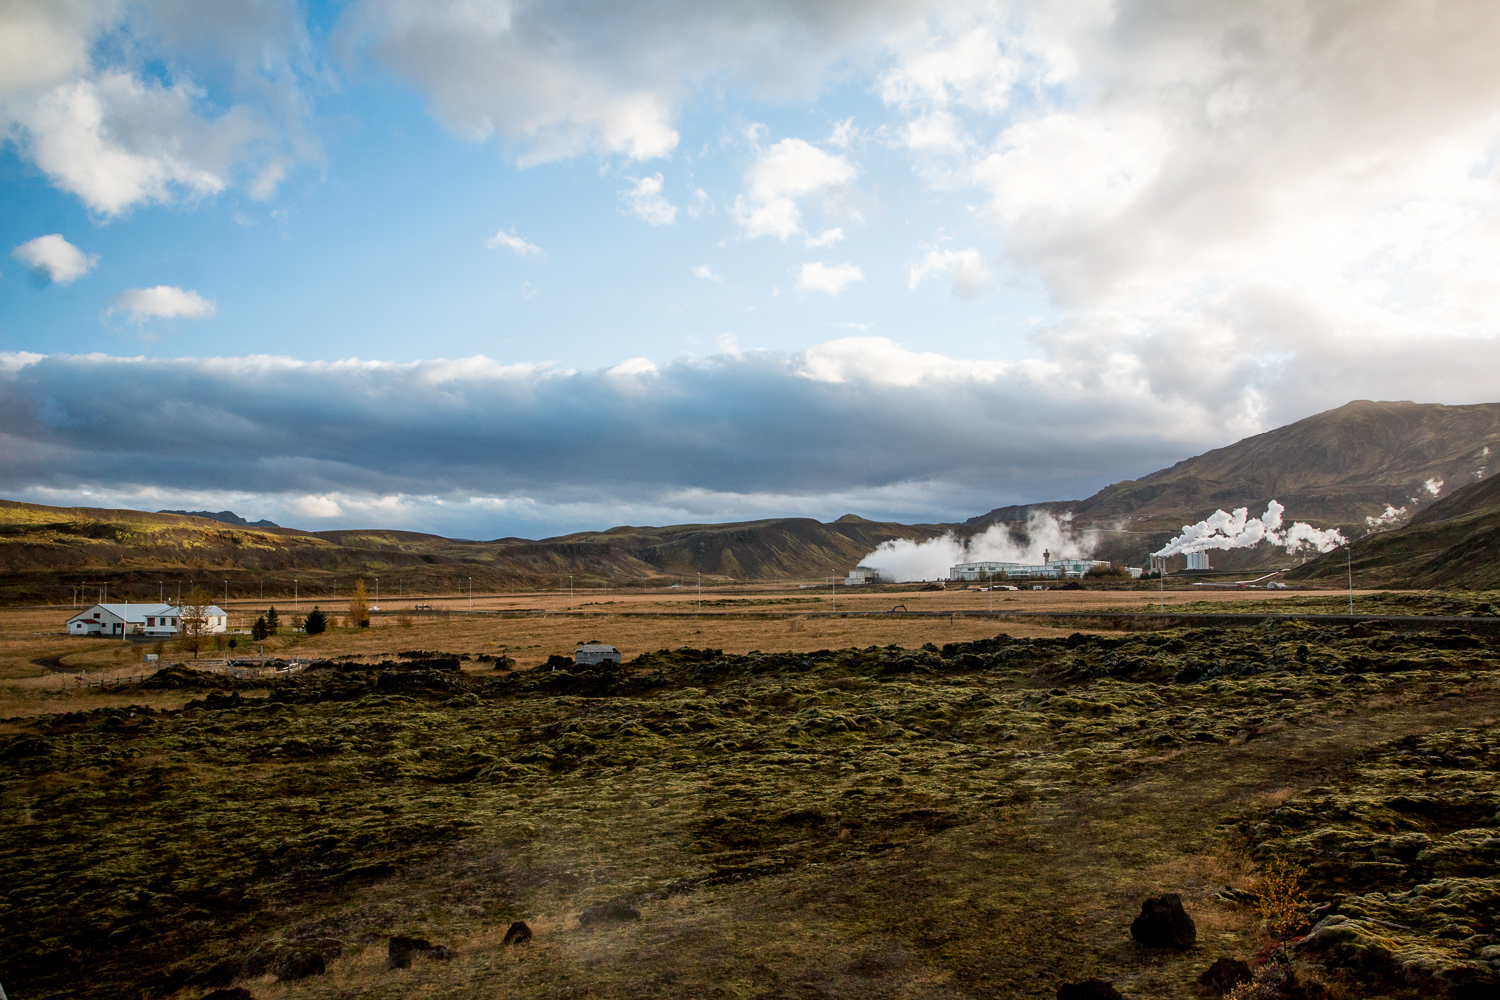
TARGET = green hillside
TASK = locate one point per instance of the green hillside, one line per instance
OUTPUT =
(1454, 542)
(46, 551)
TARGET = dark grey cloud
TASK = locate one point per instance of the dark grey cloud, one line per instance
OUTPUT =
(726, 431)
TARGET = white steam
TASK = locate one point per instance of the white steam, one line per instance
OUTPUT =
(1433, 486)
(903, 560)
(1240, 531)
(1391, 516)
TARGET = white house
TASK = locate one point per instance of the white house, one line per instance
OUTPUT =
(158, 620)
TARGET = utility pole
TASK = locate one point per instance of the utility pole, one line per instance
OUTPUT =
(471, 593)
(377, 593)
(833, 590)
(700, 594)
(296, 599)
(1349, 565)
(570, 591)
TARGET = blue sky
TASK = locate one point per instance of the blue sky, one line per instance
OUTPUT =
(493, 268)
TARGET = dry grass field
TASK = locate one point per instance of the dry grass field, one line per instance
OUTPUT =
(794, 806)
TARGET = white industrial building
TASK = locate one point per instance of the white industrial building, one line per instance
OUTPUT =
(1198, 560)
(861, 575)
(1052, 569)
(158, 620)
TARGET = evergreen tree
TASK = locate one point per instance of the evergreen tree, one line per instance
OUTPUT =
(272, 622)
(259, 630)
(316, 622)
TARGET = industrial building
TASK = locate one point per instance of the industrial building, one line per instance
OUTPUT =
(861, 575)
(1198, 560)
(1051, 569)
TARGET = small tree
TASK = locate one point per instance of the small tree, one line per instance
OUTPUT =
(316, 622)
(258, 631)
(359, 607)
(1281, 900)
(192, 622)
(272, 621)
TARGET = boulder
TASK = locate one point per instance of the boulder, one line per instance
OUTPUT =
(1224, 975)
(518, 933)
(614, 910)
(1089, 989)
(1163, 923)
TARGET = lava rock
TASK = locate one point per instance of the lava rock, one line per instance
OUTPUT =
(1089, 989)
(518, 933)
(614, 910)
(1163, 923)
(298, 963)
(1224, 975)
(401, 950)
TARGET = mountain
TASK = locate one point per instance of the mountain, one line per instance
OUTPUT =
(226, 516)
(46, 551)
(1453, 542)
(1333, 469)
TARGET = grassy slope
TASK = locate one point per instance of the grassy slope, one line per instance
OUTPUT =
(976, 821)
(1456, 541)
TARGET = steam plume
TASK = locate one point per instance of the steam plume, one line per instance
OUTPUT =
(1240, 531)
(904, 560)
(1433, 486)
(1391, 516)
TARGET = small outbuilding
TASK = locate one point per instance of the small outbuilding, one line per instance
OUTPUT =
(596, 653)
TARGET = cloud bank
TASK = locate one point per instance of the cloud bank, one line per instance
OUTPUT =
(862, 424)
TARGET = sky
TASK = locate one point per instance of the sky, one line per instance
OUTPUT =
(491, 268)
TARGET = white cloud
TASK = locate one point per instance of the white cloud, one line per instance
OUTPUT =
(831, 278)
(515, 244)
(648, 204)
(106, 99)
(794, 170)
(323, 506)
(971, 277)
(881, 361)
(55, 258)
(702, 203)
(1225, 202)
(634, 366)
(706, 273)
(161, 302)
(826, 238)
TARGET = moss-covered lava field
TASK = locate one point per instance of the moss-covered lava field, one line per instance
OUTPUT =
(977, 819)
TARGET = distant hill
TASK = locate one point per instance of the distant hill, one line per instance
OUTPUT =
(1455, 541)
(45, 551)
(1333, 469)
(227, 516)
